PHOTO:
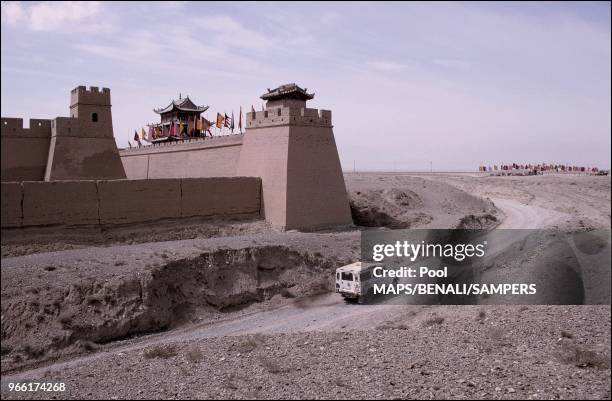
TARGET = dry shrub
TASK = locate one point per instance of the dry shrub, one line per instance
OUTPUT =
(582, 357)
(391, 326)
(160, 351)
(194, 355)
(230, 382)
(248, 344)
(433, 321)
(270, 365)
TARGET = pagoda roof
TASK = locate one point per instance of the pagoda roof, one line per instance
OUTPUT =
(183, 105)
(288, 91)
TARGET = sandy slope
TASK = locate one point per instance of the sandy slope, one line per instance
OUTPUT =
(519, 352)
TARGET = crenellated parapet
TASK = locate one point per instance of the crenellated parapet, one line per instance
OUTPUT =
(92, 96)
(277, 116)
(13, 127)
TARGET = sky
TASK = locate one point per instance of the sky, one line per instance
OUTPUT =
(410, 85)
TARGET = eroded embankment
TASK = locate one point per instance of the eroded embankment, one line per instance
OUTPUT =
(48, 321)
(402, 208)
(391, 208)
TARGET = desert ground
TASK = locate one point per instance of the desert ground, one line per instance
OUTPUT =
(234, 309)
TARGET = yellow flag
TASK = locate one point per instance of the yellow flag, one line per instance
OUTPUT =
(219, 120)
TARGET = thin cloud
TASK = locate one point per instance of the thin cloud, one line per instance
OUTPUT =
(53, 16)
(387, 66)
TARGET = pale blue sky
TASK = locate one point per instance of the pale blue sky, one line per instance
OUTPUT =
(458, 84)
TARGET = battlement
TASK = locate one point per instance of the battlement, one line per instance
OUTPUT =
(277, 116)
(13, 127)
(66, 126)
(92, 96)
(217, 141)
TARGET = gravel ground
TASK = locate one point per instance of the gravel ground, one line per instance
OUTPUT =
(493, 352)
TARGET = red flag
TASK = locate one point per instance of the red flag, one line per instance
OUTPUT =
(171, 129)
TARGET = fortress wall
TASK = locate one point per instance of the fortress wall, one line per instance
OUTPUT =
(24, 150)
(316, 193)
(264, 154)
(216, 157)
(72, 158)
(136, 166)
(11, 204)
(220, 196)
(127, 201)
(61, 202)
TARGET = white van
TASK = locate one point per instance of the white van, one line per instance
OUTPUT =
(354, 282)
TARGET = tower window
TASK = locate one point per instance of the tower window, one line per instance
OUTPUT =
(94, 117)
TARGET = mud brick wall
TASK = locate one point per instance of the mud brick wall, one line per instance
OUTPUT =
(61, 202)
(24, 150)
(131, 201)
(11, 204)
(110, 202)
(197, 158)
(220, 196)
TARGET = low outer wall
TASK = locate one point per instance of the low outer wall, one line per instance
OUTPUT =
(126, 201)
(11, 204)
(61, 202)
(237, 195)
(132, 201)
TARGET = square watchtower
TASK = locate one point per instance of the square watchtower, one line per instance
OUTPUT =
(292, 148)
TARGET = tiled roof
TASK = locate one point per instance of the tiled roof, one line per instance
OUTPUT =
(288, 91)
(183, 105)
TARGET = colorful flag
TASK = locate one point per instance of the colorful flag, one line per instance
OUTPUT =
(143, 135)
(206, 126)
(198, 124)
(226, 123)
(137, 137)
(219, 120)
(172, 133)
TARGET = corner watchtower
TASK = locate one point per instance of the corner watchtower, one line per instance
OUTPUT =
(83, 145)
(292, 148)
(92, 107)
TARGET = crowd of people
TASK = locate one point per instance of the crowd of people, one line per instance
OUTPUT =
(542, 168)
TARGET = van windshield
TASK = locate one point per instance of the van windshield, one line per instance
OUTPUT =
(347, 276)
